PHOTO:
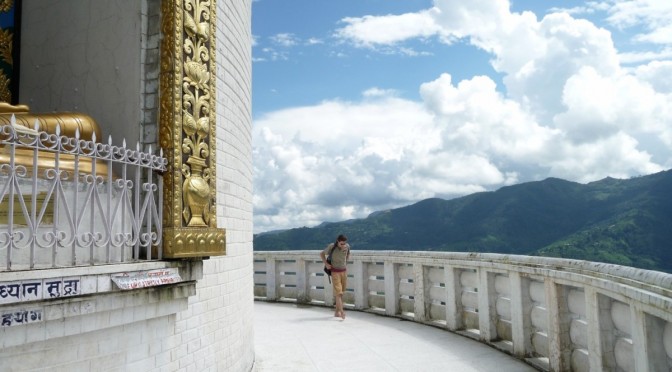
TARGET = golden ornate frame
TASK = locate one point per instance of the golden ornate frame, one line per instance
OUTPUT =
(187, 129)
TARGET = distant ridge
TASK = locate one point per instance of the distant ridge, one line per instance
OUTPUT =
(626, 222)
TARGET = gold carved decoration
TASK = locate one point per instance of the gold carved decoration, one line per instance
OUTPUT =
(5, 93)
(6, 44)
(187, 129)
(6, 5)
(6, 57)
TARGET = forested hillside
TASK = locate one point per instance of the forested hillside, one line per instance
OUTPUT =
(627, 222)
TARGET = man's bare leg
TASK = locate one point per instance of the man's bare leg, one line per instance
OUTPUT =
(339, 306)
(337, 311)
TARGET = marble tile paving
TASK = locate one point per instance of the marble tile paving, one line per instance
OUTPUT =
(288, 337)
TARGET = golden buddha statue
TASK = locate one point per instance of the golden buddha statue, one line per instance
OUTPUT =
(68, 122)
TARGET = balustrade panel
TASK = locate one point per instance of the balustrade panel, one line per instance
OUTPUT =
(578, 329)
(502, 309)
(316, 280)
(349, 294)
(665, 340)
(375, 286)
(436, 294)
(376, 269)
(539, 321)
(468, 279)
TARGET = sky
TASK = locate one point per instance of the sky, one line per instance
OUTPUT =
(367, 105)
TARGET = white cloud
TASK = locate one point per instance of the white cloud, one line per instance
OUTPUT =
(273, 55)
(567, 109)
(475, 118)
(309, 160)
(655, 16)
(377, 92)
(590, 7)
(658, 74)
(645, 56)
(600, 106)
(661, 35)
(285, 39)
(389, 29)
(282, 45)
(616, 156)
(314, 41)
(338, 160)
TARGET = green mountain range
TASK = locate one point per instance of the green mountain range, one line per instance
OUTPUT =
(625, 222)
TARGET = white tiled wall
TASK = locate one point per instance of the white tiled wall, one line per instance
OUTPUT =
(215, 331)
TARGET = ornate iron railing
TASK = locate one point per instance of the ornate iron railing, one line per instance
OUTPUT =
(71, 202)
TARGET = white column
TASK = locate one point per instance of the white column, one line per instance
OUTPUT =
(361, 285)
(302, 291)
(558, 327)
(487, 314)
(453, 298)
(521, 307)
(271, 279)
(328, 290)
(391, 289)
(594, 329)
(419, 306)
(655, 336)
(639, 346)
(647, 336)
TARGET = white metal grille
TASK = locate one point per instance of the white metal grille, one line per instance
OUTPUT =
(55, 215)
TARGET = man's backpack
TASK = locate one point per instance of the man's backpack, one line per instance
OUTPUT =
(328, 271)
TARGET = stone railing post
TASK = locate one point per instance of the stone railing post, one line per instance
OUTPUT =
(640, 349)
(391, 289)
(419, 302)
(361, 283)
(271, 279)
(302, 292)
(558, 327)
(328, 290)
(521, 304)
(649, 355)
(594, 330)
(453, 299)
(487, 314)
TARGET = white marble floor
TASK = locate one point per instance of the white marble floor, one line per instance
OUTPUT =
(299, 338)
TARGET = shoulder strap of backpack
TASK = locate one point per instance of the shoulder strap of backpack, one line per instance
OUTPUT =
(331, 251)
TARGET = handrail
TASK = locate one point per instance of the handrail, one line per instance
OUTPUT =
(63, 206)
(556, 314)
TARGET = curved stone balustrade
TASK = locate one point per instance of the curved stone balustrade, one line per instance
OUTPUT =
(557, 314)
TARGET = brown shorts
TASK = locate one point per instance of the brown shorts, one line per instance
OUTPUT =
(340, 282)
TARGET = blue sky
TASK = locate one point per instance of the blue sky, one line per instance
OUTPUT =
(366, 105)
(303, 73)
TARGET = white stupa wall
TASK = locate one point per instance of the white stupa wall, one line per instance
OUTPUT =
(92, 63)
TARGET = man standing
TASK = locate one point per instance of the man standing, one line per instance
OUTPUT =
(340, 254)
